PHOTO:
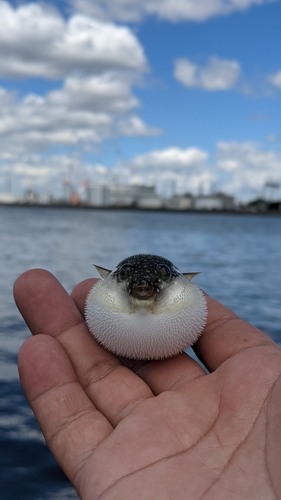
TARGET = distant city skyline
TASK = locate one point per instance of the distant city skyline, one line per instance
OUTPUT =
(184, 96)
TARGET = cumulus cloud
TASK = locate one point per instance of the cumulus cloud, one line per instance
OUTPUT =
(172, 10)
(275, 79)
(217, 74)
(244, 168)
(239, 169)
(187, 168)
(83, 111)
(94, 65)
(36, 41)
(172, 157)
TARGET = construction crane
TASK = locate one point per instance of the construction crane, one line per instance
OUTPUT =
(75, 196)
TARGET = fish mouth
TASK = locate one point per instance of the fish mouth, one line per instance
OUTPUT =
(143, 292)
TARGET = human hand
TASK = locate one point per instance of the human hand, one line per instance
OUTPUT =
(168, 432)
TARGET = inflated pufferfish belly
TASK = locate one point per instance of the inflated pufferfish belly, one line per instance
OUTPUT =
(145, 308)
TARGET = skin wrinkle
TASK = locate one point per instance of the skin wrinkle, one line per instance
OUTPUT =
(130, 407)
(228, 463)
(126, 410)
(168, 457)
(131, 474)
(237, 450)
(268, 398)
(68, 424)
(53, 394)
(174, 430)
(83, 458)
(146, 370)
(68, 328)
(72, 326)
(70, 419)
(175, 386)
(218, 323)
(83, 462)
(156, 462)
(112, 364)
(140, 369)
(254, 345)
(48, 392)
(134, 365)
(66, 430)
(93, 378)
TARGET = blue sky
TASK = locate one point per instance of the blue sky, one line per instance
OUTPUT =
(178, 92)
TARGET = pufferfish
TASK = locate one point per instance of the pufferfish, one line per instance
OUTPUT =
(145, 308)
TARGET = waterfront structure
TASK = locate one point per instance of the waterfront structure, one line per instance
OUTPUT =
(120, 195)
(8, 199)
(150, 203)
(142, 197)
(180, 202)
(216, 201)
(145, 197)
(99, 195)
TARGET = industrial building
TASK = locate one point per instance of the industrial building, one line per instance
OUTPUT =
(145, 197)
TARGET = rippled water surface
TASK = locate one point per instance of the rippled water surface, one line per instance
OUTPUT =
(239, 257)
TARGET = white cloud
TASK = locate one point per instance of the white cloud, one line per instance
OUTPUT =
(98, 63)
(36, 41)
(171, 158)
(172, 10)
(83, 111)
(239, 169)
(134, 125)
(275, 79)
(186, 73)
(272, 138)
(247, 168)
(218, 74)
(186, 167)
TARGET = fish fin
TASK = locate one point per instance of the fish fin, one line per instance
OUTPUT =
(102, 271)
(190, 275)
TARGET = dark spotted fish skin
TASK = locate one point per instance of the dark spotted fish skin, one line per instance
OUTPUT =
(145, 268)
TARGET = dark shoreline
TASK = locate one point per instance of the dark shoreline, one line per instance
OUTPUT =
(241, 211)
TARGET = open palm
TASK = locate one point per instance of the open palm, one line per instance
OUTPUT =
(160, 430)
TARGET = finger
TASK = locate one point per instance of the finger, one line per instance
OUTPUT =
(226, 334)
(48, 309)
(80, 292)
(163, 375)
(72, 426)
(172, 374)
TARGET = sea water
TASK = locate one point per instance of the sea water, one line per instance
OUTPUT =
(239, 257)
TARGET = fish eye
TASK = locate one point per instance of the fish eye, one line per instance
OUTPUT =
(125, 271)
(164, 272)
